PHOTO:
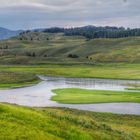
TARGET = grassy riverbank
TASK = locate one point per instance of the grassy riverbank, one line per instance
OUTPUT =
(21, 75)
(113, 70)
(82, 96)
(16, 79)
(134, 86)
(59, 124)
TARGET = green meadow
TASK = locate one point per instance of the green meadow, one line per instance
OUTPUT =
(83, 96)
(65, 124)
(10, 79)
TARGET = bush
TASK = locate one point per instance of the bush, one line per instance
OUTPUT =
(73, 56)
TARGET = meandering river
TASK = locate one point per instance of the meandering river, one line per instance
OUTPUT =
(39, 95)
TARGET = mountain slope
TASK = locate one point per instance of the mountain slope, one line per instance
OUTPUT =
(6, 33)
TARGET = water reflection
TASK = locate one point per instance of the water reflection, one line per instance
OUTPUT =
(39, 95)
(91, 83)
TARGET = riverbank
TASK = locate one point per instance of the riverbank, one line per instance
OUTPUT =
(134, 86)
(10, 79)
(106, 71)
(52, 123)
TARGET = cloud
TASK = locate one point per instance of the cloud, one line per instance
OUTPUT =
(47, 13)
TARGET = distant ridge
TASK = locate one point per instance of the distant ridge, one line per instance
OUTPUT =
(6, 33)
(92, 32)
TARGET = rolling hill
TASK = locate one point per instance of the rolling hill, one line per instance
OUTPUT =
(40, 48)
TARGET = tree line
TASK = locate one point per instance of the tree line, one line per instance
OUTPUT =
(92, 32)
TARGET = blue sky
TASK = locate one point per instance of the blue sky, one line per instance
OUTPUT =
(28, 14)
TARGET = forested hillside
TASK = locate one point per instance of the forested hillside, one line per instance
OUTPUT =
(92, 32)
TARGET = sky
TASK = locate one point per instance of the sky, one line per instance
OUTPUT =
(29, 14)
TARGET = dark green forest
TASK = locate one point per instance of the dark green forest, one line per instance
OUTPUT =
(91, 32)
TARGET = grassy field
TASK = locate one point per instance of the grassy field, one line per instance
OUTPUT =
(65, 124)
(16, 79)
(113, 71)
(83, 96)
(44, 48)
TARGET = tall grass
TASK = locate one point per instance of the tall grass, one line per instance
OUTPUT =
(67, 124)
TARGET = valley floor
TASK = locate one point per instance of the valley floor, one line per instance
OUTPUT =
(16, 76)
(60, 123)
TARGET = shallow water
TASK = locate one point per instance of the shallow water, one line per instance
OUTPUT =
(39, 95)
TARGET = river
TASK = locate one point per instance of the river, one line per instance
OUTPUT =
(39, 95)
